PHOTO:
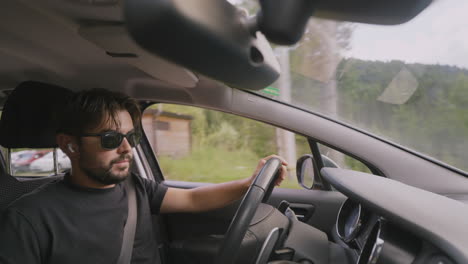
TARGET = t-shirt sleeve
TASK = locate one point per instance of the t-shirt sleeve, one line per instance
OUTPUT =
(156, 193)
(18, 240)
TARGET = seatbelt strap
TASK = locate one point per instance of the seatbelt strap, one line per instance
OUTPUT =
(130, 225)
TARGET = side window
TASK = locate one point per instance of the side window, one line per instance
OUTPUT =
(199, 145)
(36, 162)
(342, 160)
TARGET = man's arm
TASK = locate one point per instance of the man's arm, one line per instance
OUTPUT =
(213, 196)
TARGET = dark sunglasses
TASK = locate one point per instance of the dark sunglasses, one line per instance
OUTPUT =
(113, 139)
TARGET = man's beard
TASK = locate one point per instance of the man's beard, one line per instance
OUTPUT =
(105, 175)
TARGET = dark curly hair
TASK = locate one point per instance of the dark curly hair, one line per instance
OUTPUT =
(88, 109)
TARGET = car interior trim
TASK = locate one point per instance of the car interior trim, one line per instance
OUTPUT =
(412, 208)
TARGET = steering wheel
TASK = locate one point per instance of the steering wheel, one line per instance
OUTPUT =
(259, 191)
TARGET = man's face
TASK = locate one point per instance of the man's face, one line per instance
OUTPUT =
(103, 165)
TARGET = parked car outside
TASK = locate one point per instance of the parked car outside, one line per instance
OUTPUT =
(18, 154)
(22, 161)
(46, 163)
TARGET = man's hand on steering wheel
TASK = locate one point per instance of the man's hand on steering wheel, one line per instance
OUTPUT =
(261, 163)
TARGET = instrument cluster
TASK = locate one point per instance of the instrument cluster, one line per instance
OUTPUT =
(376, 240)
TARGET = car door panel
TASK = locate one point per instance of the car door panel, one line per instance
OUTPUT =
(319, 209)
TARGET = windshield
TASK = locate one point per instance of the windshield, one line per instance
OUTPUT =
(406, 83)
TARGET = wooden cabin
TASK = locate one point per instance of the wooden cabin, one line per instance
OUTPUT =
(169, 133)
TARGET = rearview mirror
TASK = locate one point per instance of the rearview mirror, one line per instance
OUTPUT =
(210, 37)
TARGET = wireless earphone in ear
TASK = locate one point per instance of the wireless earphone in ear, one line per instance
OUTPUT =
(70, 147)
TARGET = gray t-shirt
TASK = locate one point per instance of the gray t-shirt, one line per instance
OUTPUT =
(64, 223)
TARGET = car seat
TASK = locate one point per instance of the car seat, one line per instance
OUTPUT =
(29, 120)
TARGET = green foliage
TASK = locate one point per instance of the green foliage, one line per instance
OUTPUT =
(433, 121)
(225, 137)
(356, 165)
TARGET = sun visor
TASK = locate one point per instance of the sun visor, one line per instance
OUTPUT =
(210, 37)
(115, 40)
(30, 115)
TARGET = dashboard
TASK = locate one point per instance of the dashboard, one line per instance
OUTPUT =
(384, 221)
(373, 239)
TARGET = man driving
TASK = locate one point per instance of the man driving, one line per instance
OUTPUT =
(81, 218)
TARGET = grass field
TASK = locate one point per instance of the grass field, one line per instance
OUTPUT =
(214, 165)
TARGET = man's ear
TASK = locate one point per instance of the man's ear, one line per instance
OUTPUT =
(67, 144)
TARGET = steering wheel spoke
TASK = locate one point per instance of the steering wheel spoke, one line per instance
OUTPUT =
(259, 191)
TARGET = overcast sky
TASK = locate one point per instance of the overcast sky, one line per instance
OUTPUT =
(438, 35)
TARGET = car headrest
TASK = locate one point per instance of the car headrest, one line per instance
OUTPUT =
(30, 115)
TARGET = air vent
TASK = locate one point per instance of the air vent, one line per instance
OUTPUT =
(121, 55)
(96, 2)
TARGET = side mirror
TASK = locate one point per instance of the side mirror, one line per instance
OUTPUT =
(306, 171)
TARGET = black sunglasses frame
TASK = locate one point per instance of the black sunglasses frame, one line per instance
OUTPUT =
(133, 137)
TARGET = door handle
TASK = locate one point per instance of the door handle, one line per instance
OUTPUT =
(303, 211)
